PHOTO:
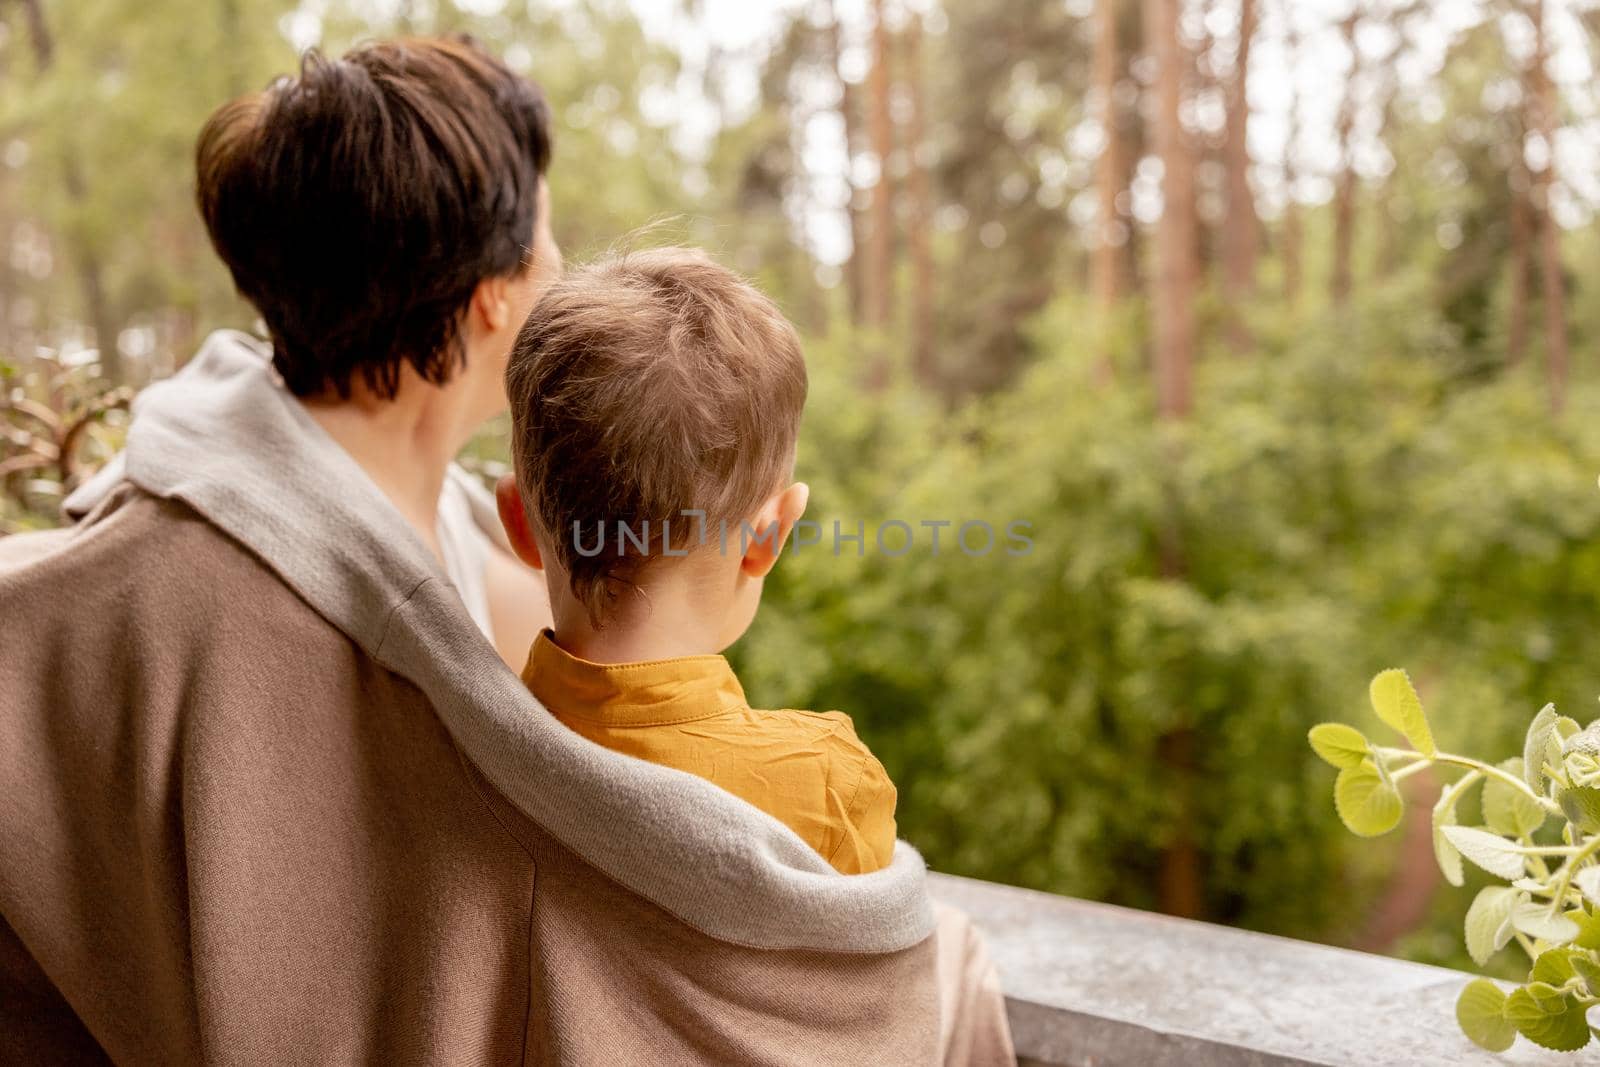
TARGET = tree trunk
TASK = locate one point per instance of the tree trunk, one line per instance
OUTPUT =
(1292, 238)
(1521, 239)
(1344, 200)
(855, 265)
(44, 45)
(1205, 152)
(235, 47)
(1554, 296)
(880, 239)
(1388, 252)
(91, 275)
(1112, 177)
(1176, 265)
(1177, 273)
(1239, 233)
(919, 224)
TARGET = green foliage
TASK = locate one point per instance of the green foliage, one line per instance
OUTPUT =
(1339, 745)
(1481, 1011)
(1550, 907)
(1396, 703)
(1367, 800)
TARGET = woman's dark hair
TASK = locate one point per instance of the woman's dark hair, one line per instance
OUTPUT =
(359, 205)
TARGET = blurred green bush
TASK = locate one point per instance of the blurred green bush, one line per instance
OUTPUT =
(1349, 494)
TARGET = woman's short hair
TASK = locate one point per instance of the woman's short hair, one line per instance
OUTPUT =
(360, 204)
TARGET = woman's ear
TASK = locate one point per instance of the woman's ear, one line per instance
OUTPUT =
(773, 525)
(514, 517)
(492, 304)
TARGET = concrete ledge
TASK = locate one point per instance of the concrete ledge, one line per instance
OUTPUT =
(1091, 985)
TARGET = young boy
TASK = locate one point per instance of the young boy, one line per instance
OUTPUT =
(655, 402)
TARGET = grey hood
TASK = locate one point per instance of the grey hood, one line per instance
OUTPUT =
(225, 438)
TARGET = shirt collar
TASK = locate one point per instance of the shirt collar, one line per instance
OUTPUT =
(652, 693)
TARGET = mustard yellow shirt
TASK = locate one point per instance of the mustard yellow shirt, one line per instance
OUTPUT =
(807, 770)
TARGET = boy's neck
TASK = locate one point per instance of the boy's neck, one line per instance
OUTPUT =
(666, 634)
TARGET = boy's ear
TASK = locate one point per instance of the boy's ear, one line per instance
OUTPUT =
(773, 525)
(514, 517)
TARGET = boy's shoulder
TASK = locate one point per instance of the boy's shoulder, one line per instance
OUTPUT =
(831, 735)
(830, 724)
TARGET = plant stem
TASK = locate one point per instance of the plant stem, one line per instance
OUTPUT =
(1565, 881)
(1540, 868)
(1549, 850)
(1495, 772)
(1527, 946)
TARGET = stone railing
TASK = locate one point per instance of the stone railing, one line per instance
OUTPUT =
(1091, 985)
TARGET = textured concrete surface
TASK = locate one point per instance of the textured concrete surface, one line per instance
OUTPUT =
(1091, 985)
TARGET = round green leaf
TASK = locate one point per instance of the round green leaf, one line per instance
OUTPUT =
(1448, 858)
(1509, 810)
(1535, 745)
(1564, 1029)
(1444, 814)
(1535, 920)
(1581, 807)
(1552, 968)
(1588, 883)
(1588, 929)
(1588, 970)
(1489, 922)
(1481, 1011)
(1398, 705)
(1340, 745)
(1368, 804)
(1490, 851)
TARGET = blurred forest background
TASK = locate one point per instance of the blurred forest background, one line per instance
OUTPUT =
(1274, 318)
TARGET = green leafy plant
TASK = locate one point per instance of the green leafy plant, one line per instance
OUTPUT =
(1541, 834)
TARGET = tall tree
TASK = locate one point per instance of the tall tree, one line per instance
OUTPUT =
(1520, 257)
(849, 114)
(85, 255)
(1292, 237)
(1239, 233)
(1112, 174)
(1176, 282)
(1542, 99)
(1177, 266)
(1344, 198)
(1388, 251)
(880, 238)
(919, 194)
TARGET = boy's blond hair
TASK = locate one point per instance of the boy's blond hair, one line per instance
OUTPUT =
(643, 386)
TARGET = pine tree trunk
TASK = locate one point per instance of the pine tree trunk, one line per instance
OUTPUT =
(855, 265)
(1239, 233)
(919, 224)
(1387, 257)
(1176, 262)
(1177, 275)
(1112, 177)
(1520, 259)
(880, 238)
(1554, 295)
(86, 258)
(1344, 200)
(1292, 237)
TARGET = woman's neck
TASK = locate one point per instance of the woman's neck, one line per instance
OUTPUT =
(405, 444)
